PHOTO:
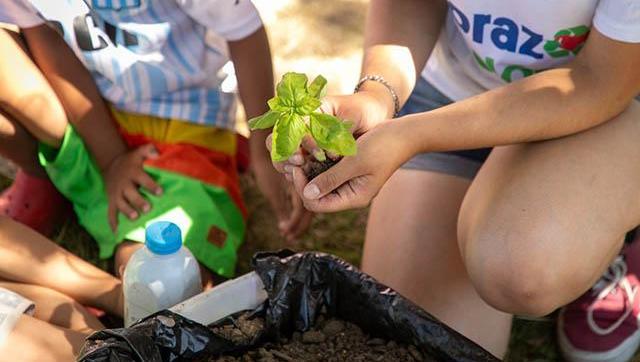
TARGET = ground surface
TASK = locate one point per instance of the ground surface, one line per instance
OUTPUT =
(340, 234)
(313, 36)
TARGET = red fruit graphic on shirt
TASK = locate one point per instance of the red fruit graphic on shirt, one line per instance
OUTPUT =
(567, 41)
(571, 42)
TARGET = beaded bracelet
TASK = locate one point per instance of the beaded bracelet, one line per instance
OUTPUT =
(381, 80)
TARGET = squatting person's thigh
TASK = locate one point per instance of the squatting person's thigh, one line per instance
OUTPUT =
(541, 221)
(411, 246)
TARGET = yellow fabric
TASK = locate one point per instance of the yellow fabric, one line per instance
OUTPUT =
(174, 131)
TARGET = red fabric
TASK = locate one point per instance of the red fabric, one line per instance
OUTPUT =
(34, 202)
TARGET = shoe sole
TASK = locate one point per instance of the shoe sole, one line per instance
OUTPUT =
(622, 353)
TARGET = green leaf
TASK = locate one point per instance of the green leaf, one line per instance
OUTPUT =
(292, 88)
(307, 105)
(332, 134)
(265, 121)
(287, 136)
(276, 104)
(318, 87)
(289, 109)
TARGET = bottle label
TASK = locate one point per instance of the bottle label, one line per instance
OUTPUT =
(139, 303)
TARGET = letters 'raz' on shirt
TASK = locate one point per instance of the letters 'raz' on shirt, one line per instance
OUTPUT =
(486, 44)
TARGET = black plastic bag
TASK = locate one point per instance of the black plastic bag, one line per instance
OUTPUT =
(299, 287)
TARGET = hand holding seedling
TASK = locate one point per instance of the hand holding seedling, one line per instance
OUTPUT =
(293, 116)
(355, 181)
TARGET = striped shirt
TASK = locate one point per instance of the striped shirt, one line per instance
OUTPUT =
(166, 58)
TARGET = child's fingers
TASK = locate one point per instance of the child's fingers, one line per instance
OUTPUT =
(310, 145)
(280, 167)
(332, 156)
(143, 179)
(300, 226)
(297, 159)
(126, 209)
(133, 197)
(280, 208)
(297, 212)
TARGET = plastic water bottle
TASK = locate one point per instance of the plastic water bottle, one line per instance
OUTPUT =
(160, 275)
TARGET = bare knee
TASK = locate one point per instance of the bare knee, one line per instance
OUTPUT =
(521, 291)
(124, 251)
(513, 273)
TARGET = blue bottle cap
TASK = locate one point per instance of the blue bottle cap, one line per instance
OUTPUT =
(163, 237)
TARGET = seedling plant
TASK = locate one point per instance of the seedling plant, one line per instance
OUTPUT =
(293, 115)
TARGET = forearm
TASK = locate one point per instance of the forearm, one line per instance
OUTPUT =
(252, 61)
(548, 105)
(399, 37)
(78, 93)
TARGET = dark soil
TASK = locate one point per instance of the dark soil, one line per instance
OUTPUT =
(330, 340)
(243, 331)
(313, 167)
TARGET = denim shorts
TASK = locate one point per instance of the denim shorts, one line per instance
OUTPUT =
(457, 163)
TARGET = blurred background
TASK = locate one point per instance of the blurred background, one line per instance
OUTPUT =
(313, 37)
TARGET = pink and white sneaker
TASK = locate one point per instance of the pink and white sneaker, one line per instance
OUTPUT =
(602, 325)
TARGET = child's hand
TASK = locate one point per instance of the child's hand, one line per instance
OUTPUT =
(293, 218)
(123, 177)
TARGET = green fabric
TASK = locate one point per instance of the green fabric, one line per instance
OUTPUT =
(193, 205)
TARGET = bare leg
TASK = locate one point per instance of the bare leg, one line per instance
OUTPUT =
(19, 146)
(542, 221)
(28, 257)
(16, 143)
(29, 111)
(411, 246)
(26, 95)
(33, 340)
(56, 308)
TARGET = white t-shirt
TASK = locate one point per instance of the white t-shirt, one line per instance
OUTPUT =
(166, 58)
(486, 44)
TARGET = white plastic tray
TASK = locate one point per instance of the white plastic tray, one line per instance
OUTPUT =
(243, 293)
